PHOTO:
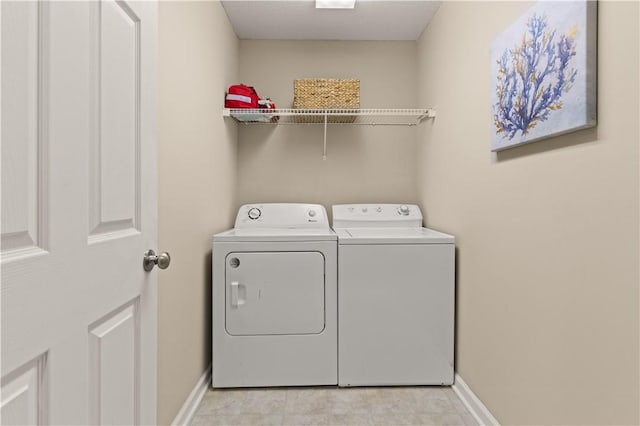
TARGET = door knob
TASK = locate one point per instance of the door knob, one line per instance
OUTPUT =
(151, 259)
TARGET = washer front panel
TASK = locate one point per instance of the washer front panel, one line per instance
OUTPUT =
(396, 314)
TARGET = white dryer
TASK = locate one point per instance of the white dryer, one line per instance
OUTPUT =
(274, 298)
(396, 297)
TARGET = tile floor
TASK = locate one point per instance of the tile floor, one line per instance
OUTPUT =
(333, 406)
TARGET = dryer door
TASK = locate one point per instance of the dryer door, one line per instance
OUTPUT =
(271, 293)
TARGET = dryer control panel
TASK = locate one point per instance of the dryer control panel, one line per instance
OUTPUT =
(282, 215)
(376, 215)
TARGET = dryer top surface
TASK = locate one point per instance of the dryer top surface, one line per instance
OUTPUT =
(275, 234)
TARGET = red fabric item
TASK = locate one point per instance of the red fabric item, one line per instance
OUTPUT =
(241, 96)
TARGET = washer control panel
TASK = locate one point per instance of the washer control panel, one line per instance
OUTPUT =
(376, 215)
(282, 215)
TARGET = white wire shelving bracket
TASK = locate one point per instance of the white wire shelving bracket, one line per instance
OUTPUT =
(358, 117)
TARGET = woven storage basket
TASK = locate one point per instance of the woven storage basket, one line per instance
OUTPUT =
(326, 93)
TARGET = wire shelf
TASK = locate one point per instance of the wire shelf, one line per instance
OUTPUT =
(372, 117)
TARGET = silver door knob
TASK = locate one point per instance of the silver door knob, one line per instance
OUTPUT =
(151, 259)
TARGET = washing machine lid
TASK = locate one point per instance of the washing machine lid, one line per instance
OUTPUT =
(275, 235)
(413, 235)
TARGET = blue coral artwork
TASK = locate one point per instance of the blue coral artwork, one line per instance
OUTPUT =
(543, 74)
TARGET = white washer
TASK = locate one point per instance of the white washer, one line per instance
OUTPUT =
(395, 297)
(274, 298)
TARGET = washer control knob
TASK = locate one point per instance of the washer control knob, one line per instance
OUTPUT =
(254, 213)
(364, 210)
(312, 213)
(379, 209)
(403, 210)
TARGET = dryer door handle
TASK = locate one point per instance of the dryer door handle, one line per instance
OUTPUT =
(235, 294)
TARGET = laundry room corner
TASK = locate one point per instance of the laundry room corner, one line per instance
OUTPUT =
(198, 59)
(547, 233)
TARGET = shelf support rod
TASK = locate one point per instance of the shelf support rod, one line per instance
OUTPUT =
(324, 146)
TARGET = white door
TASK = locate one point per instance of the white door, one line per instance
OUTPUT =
(78, 212)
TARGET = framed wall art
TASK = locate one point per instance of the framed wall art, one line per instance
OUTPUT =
(543, 74)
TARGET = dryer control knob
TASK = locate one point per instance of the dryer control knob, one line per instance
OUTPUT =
(312, 213)
(254, 213)
(403, 210)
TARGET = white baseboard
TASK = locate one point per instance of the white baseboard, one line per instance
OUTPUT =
(479, 411)
(188, 410)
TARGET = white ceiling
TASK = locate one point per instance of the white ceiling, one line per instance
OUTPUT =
(300, 20)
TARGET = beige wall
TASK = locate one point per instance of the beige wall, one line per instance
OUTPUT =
(197, 173)
(364, 164)
(547, 233)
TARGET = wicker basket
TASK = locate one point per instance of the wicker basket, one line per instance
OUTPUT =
(326, 93)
